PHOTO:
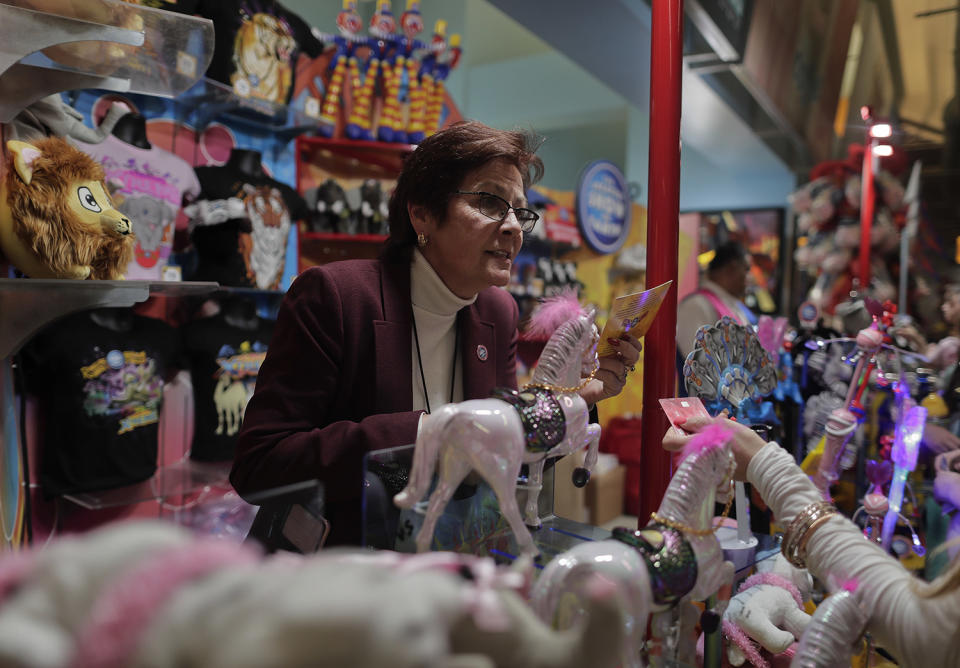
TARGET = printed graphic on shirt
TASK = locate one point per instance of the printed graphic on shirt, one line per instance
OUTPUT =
(264, 251)
(148, 185)
(123, 385)
(236, 379)
(262, 51)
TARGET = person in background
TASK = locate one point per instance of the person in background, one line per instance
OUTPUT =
(721, 293)
(943, 354)
(915, 621)
(944, 357)
(362, 349)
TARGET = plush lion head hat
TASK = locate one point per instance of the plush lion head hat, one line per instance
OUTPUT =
(56, 218)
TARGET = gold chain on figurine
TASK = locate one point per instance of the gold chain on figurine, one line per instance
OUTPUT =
(679, 526)
(559, 389)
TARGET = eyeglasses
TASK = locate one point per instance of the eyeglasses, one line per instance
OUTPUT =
(495, 207)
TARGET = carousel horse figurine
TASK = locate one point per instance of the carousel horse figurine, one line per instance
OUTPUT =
(675, 559)
(832, 637)
(496, 436)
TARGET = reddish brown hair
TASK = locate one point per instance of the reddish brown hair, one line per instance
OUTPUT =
(433, 172)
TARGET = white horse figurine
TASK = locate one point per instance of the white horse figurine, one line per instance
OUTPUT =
(676, 558)
(488, 436)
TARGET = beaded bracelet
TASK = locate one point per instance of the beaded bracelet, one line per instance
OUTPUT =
(808, 520)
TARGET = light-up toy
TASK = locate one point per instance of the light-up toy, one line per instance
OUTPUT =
(906, 447)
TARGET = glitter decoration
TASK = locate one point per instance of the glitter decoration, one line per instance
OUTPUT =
(669, 558)
(540, 414)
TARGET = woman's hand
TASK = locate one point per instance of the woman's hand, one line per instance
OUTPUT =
(939, 440)
(910, 334)
(745, 442)
(611, 377)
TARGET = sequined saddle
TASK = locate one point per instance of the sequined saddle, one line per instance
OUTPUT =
(670, 559)
(544, 424)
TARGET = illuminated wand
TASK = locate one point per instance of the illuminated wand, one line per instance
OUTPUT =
(906, 447)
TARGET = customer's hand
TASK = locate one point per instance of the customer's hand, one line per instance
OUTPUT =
(938, 440)
(946, 483)
(611, 377)
(745, 442)
(912, 336)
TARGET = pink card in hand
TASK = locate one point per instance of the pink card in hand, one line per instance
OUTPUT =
(680, 409)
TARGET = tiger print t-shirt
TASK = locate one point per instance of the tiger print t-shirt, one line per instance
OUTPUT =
(240, 225)
(256, 45)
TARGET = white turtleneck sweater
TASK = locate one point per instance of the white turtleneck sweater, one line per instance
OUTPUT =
(435, 311)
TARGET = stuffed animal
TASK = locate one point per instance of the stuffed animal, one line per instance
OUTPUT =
(767, 610)
(141, 594)
(52, 116)
(329, 209)
(373, 209)
(56, 218)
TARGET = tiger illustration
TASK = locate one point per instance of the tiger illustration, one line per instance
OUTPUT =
(262, 51)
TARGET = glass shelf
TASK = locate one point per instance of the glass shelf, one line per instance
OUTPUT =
(97, 44)
(472, 522)
(209, 99)
(28, 304)
(181, 479)
(319, 248)
(354, 159)
(332, 237)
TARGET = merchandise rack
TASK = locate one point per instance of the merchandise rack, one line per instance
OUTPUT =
(106, 44)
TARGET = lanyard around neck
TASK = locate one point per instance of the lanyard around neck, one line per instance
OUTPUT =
(453, 372)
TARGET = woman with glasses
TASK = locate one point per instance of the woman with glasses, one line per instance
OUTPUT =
(363, 349)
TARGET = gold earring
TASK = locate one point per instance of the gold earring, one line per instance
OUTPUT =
(421, 239)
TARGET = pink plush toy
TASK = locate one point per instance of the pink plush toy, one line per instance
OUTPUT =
(139, 594)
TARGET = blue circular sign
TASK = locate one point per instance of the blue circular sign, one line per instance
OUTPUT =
(603, 206)
(808, 314)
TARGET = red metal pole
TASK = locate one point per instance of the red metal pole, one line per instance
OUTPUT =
(660, 345)
(867, 204)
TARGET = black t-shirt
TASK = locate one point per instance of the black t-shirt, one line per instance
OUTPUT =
(256, 45)
(224, 361)
(240, 227)
(100, 393)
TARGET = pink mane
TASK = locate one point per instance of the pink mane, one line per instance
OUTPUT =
(714, 436)
(552, 312)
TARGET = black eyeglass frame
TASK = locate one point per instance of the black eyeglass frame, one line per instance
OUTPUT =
(525, 225)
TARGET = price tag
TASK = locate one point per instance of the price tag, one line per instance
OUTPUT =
(186, 64)
(171, 272)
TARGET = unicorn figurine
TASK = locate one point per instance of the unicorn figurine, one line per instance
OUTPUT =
(496, 436)
(674, 559)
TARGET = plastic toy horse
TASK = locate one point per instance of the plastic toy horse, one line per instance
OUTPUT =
(489, 436)
(675, 558)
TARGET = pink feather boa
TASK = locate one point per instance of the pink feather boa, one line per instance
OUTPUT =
(552, 312)
(714, 436)
(124, 610)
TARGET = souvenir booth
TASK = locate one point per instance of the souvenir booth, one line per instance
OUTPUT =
(124, 543)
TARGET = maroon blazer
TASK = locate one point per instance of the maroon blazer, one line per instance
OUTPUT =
(337, 381)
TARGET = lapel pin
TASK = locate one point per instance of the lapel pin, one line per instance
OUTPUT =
(482, 353)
